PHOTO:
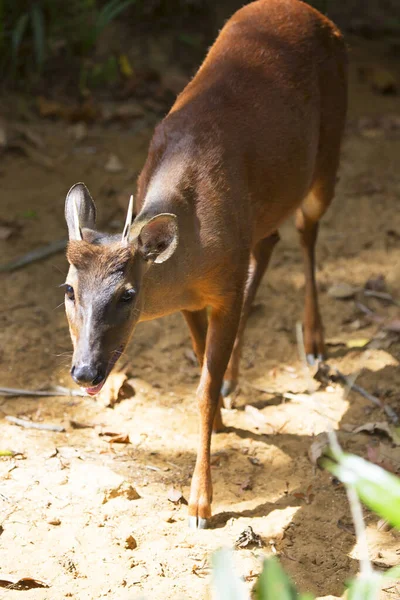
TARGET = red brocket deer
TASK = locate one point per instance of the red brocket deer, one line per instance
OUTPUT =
(252, 139)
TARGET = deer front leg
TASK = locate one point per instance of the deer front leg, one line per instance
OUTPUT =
(198, 323)
(221, 334)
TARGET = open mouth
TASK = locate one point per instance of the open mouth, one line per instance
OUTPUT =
(92, 391)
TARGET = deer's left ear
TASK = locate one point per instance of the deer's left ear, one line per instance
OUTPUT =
(158, 238)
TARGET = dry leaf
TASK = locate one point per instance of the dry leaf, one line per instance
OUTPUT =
(378, 283)
(116, 389)
(248, 538)
(246, 485)
(5, 232)
(380, 455)
(120, 439)
(49, 108)
(258, 419)
(343, 291)
(130, 543)
(357, 343)
(21, 583)
(390, 430)
(176, 496)
(318, 447)
(113, 164)
(393, 326)
(78, 425)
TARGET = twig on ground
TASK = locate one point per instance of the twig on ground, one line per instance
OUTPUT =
(32, 425)
(374, 399)
(381, 296)
(58, 391)
(34, 255)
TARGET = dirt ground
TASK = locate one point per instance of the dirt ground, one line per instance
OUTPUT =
(65, 511)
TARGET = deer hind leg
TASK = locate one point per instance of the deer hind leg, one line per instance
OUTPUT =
(307, 220)
(259, 261)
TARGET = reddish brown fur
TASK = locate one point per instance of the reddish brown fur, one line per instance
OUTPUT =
(101, 260)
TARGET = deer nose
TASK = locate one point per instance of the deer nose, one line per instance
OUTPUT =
(87, 374)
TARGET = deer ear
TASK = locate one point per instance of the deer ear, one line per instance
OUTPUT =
(80, 211)
(158, 238)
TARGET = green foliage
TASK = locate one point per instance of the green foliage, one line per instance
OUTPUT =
(274, 583)
(30, 30)
(377, 488)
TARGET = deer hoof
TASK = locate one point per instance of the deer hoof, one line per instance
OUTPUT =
(198, 523)
(228, 386)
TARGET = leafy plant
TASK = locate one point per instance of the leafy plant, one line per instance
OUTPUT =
(31, 29)
(377, 488)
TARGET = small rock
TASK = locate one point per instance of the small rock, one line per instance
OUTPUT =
(113, 164)
(54, 521)
(130, 543)
(78, 131)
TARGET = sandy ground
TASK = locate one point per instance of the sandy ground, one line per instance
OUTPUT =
(59, 521)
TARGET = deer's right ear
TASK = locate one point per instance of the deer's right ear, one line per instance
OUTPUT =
(80, 211)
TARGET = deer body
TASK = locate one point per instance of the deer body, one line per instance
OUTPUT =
(253, 138)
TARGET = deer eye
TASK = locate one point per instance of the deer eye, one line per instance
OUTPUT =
(128, 295)
(69, 291)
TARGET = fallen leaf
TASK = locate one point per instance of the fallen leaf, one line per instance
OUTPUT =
(377, 283)
(130, 543)
(78, 425)
(248, 538)
(125, 66)
(176, 496)
(383, 456)
(125, 490)
(357, 343)
(246, 484)
(393, 326)
(116, 389)
(120, 439)
(383, 81)
(258, 419)
(21, 583)
(343, 291)
(318, 447)
(5, 232)
(113, 164)
(49, 108)
(391, 431)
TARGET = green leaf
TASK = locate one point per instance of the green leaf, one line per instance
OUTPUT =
(226, 583)
(39, 37)
(377, 488)
(393, 573)
(18, 34)
(273, 583)
(365, 587)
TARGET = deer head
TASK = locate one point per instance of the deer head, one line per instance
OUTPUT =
(103, 291)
